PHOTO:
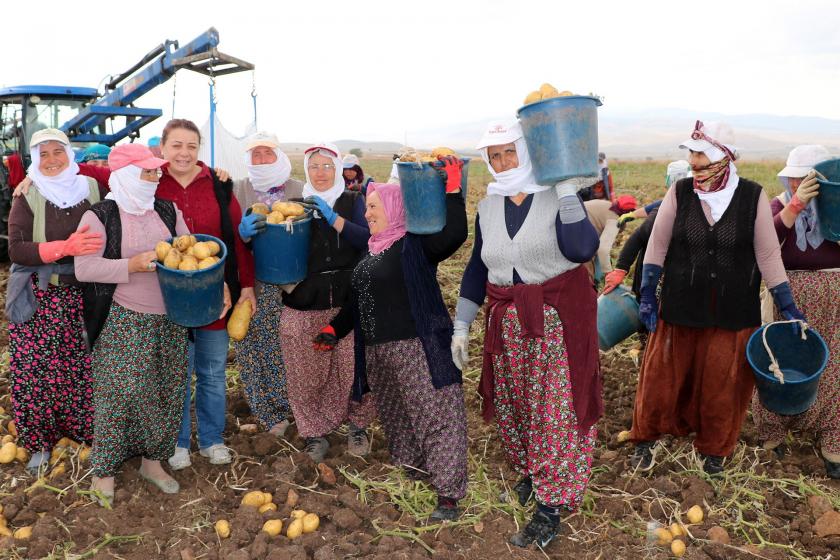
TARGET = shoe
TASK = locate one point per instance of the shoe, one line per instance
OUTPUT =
(642, 457)
(180, 459)
(167, 486)
(38, 460)
(316, 448)
(446, 510)
(217, 453)
(358, 443)
(524, 491)
(712, 464)
(832, 469)
(541, 530)
(279, 429)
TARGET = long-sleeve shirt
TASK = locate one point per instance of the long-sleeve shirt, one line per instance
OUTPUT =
(827, 255)
(765, 244)
(635, 247)
(605, 222)
(138, 291)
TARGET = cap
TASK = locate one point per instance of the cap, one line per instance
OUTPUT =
(96, 152)
(500, 132)
(802, 159)
(154, 141)
(326, 146)
(720, 132)
(350, 161)
(47, 135)
(133, 154)
(626, 203)
(262, 139)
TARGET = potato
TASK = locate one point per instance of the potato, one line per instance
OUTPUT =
(237, 326)
(173, 259)
(663, 536)
(533, 97)
(677, 530)
(162, 249)
(189, 262)
(548, 90)
(273, 527)
(58, 470)
(214, 248)
(8, 452)
(7, 438)
(182, 243)
(222, 528)
(678, 548)
(201, 251)
(551, 95)
(268, 497)
(623, 436)
(190, 251)
(295, 529)
(11, 428)
(311, 521)
(254, 498)
(293, 209)
(23, 533)
(207, 263)
(443, 151)
(260, 208)
(270, 506)
(565, 93)
(694, 514)
(84, 453)
(292, 498)
(22, 455)
(297, 514)
(275, 218)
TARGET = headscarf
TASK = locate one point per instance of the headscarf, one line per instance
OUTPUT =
(392, 202)
(131, 193)
(807, 224)
(359, 179)
(331, 151)
(66, 189)
(679, 169)
(268, 175)
(513, 181)
(95, 152)
(721, 177)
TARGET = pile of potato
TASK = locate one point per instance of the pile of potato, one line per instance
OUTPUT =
(187, 253)
(410, 154)
(280, 212)
(300, 523)
(673, 536)
(546, 91)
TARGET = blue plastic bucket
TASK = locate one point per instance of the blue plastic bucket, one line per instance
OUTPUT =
(281, 252)
(828, 201)
(424, 195)
(618, 317)
(562, 137)
(194, 298)
(801, 361)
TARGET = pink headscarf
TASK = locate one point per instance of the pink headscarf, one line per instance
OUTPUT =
(392, 201)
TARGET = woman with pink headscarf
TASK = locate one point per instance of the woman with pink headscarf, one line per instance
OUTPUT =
(403, 321)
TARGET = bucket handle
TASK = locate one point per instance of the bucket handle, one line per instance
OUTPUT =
(774, 363)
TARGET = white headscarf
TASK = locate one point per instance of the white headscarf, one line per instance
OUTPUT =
(66, 189)
(131, 193)
(330, 195)
(268, 175)
(513, 181)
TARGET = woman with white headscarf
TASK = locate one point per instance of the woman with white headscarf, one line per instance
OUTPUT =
(813, 267)
(540, 371)
(139, 356)
(713, 241)
(263, 373)
(319, 383)
(48, 361)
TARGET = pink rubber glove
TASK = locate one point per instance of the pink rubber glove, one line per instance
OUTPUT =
(613, 279)
(79, 243)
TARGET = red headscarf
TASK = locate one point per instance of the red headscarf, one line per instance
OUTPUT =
(392, 201)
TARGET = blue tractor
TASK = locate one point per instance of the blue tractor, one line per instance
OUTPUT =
(90, 116)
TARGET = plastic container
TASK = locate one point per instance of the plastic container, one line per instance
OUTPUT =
(618, 317)
(562, 137)
(194, 298)
(828, 201)
(801, 361)
(281, 252)
(424, 195)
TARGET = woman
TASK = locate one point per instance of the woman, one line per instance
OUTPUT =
(208, 207)
(319, 383)
(354, 177)
(407, 332)
(604, 216)
(139, 356)
(540, 373)
(263, 372)
(48, 361)
(714, 241)
(813, 267)
(95, 155)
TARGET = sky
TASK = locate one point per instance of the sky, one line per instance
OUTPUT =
(381, 70)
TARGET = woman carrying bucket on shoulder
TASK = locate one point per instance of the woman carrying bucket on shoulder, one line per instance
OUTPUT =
(139, 356)
(208, 207)
(713, 241)
(259, 356)
(319, 383)
(401, 316)
(813, 268)
(540, 373)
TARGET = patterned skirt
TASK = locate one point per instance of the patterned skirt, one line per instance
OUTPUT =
(817, 295)
(50, 372)
(536, 415)
(139, 367)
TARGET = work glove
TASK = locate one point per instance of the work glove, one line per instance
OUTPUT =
(625, 219)
(252, 223)
(449, 168)
(649, 304)
(326, 340)
(80, 243)
(808, 189)
(613, 279)
(783, 298)
(323, 208)
(460, 342)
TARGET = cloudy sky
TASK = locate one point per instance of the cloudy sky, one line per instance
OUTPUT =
(378, 70)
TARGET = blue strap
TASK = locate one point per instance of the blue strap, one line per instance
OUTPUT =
(212, 123)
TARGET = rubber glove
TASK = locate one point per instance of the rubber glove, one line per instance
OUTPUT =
(809, 188)
(625, 219)
(613, 279)
(450, 169)
(323, 208)
(460, 342)
(79, 243)
(252, 223)
(649, 304)
(326, 339)
(785, 303)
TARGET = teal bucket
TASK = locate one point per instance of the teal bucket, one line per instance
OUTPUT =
(562, 137)
(801, 361)
(194, 298)
(424, 195)
(828, 201)
(281, 252)
(618, 317)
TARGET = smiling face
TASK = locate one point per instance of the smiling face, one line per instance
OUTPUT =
(503, 157)
(375, 214)
(321, 172)
(54, 158)
(263, 155)
(180, 149)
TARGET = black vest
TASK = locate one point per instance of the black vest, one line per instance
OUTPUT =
(330, 265)
(98, 296)
(711, 278)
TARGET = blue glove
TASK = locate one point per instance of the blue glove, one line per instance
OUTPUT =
(649, 305)
(323, 208)
(784, 302)
(252, 224)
